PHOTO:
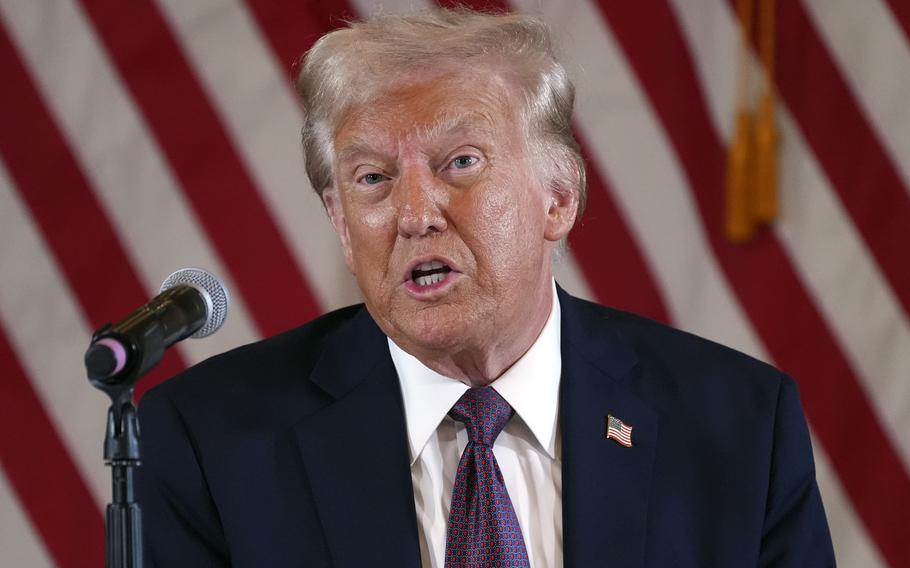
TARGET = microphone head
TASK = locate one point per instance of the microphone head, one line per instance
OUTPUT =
(216, 296)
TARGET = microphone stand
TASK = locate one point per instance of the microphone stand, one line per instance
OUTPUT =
(123, 528)
(117, 356)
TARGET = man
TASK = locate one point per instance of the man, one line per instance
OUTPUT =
(470, 414)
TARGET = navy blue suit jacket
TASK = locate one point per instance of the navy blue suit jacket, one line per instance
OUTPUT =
(293, 452)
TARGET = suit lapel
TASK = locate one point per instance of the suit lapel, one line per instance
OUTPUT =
(605, 485)
(355, 453)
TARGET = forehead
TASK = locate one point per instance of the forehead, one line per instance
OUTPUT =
(427, 109)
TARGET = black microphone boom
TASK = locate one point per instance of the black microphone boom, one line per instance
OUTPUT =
(192, 303)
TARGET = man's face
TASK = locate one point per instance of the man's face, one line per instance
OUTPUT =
(445, 221)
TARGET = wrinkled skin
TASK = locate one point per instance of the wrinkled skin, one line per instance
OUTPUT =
(436, 169)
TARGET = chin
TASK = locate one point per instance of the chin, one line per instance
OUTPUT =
(433, 332)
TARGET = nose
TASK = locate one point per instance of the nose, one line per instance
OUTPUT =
(420, 207)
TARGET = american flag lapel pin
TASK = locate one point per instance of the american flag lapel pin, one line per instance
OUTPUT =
(619, 431)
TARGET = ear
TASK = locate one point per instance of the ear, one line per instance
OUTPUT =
(561, 211)
(333, 206)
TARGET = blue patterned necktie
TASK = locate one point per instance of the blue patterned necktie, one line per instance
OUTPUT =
(483, 530)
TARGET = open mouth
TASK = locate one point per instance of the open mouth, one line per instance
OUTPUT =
(429, 273)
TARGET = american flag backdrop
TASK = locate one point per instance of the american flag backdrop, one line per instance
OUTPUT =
(140, 136)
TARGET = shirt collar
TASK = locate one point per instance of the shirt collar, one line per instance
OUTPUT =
(530, 386)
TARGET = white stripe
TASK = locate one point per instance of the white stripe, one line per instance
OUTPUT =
(714, 45)
(874, 55)
(21, 545)
(852, 546)
(121, 160)
(257, 106)
(49, 334)
(631, 150)
(867, 320)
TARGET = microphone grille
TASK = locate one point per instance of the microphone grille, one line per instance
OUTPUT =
(211, 285)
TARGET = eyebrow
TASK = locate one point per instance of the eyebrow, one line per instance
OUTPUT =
(455, 122)
(356, 148)
(448, 124)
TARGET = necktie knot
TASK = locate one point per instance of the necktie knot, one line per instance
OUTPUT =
(484, 413)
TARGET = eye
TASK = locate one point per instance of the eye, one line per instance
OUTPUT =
(462, 162)
(371, 178)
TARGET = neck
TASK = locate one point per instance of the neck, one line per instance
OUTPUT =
(478, 367)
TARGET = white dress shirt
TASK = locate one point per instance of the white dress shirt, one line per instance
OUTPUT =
(527, 450)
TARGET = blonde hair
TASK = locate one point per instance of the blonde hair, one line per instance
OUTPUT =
(351, 65)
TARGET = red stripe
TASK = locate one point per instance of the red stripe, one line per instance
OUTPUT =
(901, 11)
(73, 223)
(41, 472)
(847, 147)
(766, 283)
(291, 27)
(203, 157)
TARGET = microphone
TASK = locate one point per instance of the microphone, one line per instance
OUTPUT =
(191, 303)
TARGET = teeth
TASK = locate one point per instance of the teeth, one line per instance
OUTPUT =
(432, 265)
(430, 279)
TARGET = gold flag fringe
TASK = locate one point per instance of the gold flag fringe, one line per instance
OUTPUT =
(751, 185)
(766, 135)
